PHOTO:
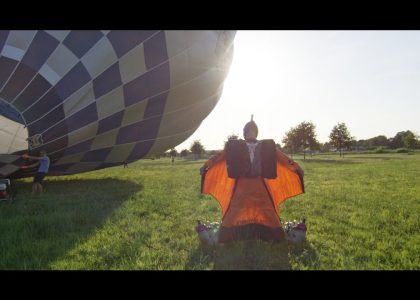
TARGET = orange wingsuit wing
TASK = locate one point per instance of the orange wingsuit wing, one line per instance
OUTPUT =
(216, 181)
(289, 181)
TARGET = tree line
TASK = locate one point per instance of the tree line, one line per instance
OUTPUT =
(302, 139)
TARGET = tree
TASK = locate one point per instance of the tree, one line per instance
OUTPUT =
(325, 147)
(160, 155)
(372, 143)
(212, 152)
(232, 136)
(379, 141)
(301, 137)
(410, 140)
(184, 153)
(173, 153)
(398, 140)
(290, 141)
(197, 149)
(362, 144)
(340, 137)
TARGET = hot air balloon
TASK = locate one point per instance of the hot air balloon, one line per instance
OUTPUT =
(99, 98)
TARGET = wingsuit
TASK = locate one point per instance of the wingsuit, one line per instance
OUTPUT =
(250, 179)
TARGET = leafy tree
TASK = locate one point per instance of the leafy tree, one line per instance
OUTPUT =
(410, 140)
(379, 141)
(372, 143)
(301, 138)
(197, 149)
(325, 147)
(173, 153)
(232, 136)
(290, 141)
(398, 140)
(184, 153)
(340, 137)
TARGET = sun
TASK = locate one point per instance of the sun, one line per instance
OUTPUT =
(259, 80)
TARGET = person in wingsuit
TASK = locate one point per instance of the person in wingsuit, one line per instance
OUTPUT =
(249, 179)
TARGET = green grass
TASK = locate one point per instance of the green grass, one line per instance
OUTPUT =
(362, 213)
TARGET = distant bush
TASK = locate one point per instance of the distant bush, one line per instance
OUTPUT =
(381, 150)
(402, 150)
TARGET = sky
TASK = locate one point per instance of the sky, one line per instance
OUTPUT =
(370, 80)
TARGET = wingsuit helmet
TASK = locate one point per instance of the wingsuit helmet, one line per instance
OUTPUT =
(250, 126)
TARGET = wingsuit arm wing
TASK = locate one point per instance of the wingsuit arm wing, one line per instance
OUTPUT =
(215, 180)
(289, 181)
(287, 184)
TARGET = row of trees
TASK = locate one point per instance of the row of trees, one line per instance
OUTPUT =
(197, 149)
(302, 139)
(402, 139)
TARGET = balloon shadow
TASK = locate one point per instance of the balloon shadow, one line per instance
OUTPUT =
(36, 230)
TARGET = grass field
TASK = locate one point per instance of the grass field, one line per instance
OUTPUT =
(363, 212)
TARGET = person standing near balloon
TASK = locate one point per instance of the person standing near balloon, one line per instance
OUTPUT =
(44, 164)
(249, 179)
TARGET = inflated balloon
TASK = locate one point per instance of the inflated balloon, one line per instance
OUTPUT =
(97, 99)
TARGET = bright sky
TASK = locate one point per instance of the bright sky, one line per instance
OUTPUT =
(368, 79)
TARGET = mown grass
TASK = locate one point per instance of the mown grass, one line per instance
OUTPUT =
(362, 213)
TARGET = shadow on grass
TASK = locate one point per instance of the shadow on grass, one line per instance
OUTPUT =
(201, 258)
(254, 255)
(37, 230)
(303, 255)
(251, 255)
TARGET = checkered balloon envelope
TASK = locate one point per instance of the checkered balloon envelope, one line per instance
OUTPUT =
(99, 98)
